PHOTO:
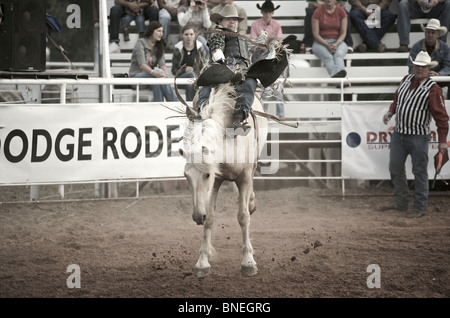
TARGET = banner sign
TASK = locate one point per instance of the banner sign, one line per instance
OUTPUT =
(365, 144)
(85, 142)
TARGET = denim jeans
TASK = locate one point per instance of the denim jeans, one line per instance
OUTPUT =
(277, 93)
(371, 36)
(411, 10)
(333, 62)
(190, 91)
(139, 19)
(401, 147)
(117, 12)
(245, 95)
(159, 91)
(165, 18)
(308, 38)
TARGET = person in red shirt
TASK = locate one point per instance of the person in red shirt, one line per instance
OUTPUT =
(417, 99)
(329, 28)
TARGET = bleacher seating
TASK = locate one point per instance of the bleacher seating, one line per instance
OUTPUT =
(291, 15)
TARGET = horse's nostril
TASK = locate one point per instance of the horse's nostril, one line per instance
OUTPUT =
(203, 219)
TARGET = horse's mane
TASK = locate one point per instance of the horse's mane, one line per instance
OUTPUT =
(209, 131)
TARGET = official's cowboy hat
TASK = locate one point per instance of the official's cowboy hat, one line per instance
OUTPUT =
(267, 6)
(423, 59)
(228, 11)
(435, 24)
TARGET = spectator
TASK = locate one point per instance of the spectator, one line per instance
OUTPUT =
(237, 55)
(147, 61)
(308, 38)
(243, 22)
(184, 58)
(119, 10)
(438, 50)
(168, 10)
(276, 89)
(197, 16)
(267, 23)
(371, 36)
(416, 100)
(329, 27)
(438, 9)
(136, 14)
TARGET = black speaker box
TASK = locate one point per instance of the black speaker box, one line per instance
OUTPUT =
(22, 35)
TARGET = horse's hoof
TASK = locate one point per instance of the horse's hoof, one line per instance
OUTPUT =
(202, 272)
(249, 270)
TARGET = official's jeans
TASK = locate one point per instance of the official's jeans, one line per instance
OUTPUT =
(411, 10)
(372, 36)
(190, 91)
(401, 147)
(159, 91)
(333, 62)
(139, 19)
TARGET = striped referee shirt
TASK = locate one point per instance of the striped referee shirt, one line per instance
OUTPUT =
(415, 103)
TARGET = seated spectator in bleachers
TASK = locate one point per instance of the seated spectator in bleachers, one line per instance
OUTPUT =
(196, 14)
(267, 23)
(147, 61)
(437, 49)
(212, 3)
(184, 58)
(168, 11)
(308, 38)
(438, 9)
(119, 10)
(136, 14)
(329, 27)
(243, 22)
(371, 34)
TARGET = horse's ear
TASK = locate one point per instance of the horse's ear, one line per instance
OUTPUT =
(205, 150)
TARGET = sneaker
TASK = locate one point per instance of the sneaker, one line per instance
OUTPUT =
(416, 214)
(114, 47)
(361, 48)
(340, 74)
(403, 48)
(350, 49)
(381, 48)
(126, 35)
(308, 49)
(393, 207)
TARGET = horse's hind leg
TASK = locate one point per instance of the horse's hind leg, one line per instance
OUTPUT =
(203, 268)
(248, 265)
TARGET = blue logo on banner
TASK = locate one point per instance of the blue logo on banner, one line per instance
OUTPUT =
(353, 139)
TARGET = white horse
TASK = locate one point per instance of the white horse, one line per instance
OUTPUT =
(213, 154)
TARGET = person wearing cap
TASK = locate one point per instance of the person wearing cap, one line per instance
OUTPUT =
(371, 35)
(417, 99)
(438, 50)
(232, 51)
(438, 9)
(266, 22)
(243, 20)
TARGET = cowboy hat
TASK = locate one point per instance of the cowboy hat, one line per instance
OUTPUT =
(228, 11)
(423, 59)
(267, 6)
(435, 24)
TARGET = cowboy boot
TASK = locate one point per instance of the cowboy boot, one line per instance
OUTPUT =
(240, 124)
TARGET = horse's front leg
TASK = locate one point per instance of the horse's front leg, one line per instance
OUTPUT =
(203, 268)
(248, 265)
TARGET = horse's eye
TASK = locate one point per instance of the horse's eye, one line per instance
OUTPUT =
(207, 176)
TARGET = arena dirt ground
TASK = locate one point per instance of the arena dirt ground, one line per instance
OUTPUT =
(309, 243)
